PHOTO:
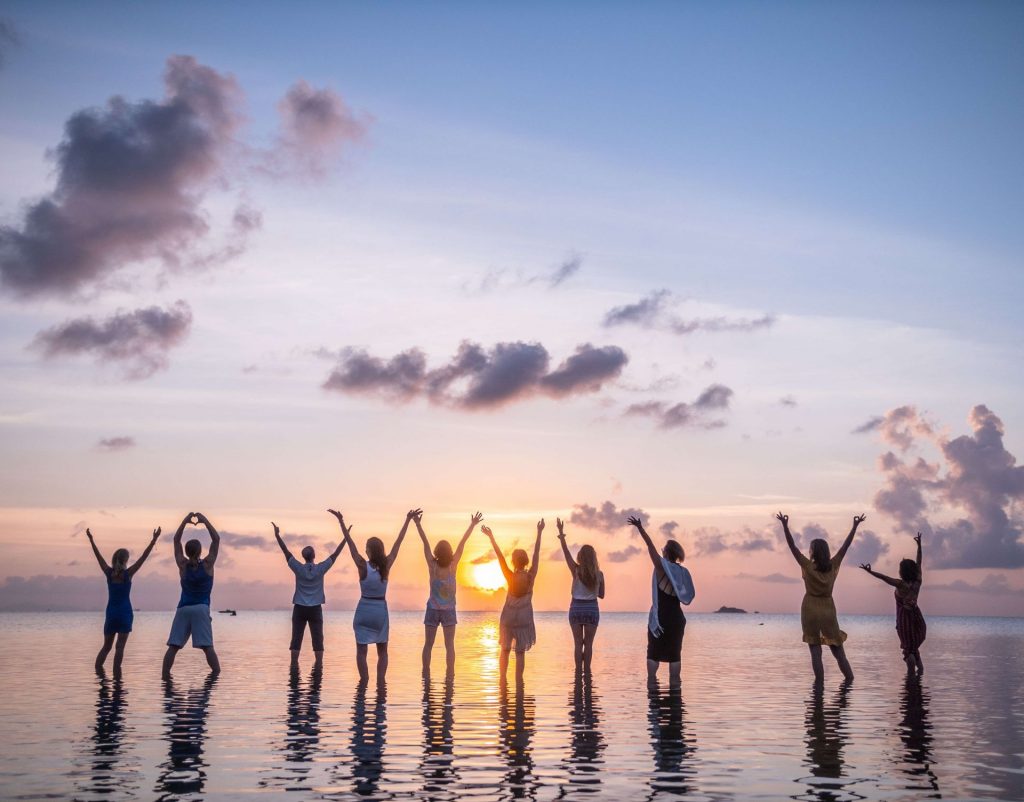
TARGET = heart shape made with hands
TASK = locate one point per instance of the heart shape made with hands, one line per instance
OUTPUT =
(194, 520)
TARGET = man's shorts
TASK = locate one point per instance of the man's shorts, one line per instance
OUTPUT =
(192, 621)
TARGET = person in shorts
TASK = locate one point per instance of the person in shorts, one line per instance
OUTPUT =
(192, 618)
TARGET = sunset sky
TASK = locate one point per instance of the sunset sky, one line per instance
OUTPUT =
(694, 262)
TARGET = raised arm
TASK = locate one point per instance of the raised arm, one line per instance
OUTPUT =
(357, 558)
(887, 579)
(138, 563)
(565, 547)
(535, 562)
(409, 517)
(418, 520)
(99, 557)
(501, 557)
(211, 555)
(179, 555)
(651, 549)
(474, 519)
(280, 542)
(920, 574)
(784, 520)
(857, 521)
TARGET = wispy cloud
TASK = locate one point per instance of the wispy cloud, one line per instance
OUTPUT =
(116, 443)
(657, 311)
(507, 279)
(695, 414)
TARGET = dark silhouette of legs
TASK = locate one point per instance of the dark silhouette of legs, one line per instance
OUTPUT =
(169, 655)
(816, 664)
(589, 632)
(211, 659)
(429, 634)
(101, 657)
(449, 650)
(122, 641)
(364, 671)
(382, 663)
(839, 653)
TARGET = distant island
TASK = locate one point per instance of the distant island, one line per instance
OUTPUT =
(724, 609)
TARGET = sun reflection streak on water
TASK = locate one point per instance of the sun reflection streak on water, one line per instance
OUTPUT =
(746, 722)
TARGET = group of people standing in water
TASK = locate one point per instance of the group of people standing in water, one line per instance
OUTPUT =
(671, 587)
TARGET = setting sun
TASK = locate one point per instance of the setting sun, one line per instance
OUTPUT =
(488, 577)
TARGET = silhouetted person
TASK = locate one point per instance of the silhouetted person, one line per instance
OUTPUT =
(673, 748)
(818, 611)
(515, 627)
(516, 741)
(370, 621)
(119, 615)
(437, 765)
(184, 772)
(308, 599)
(671, 587)
(826, 739)
(192, 618)
(587, 588)
(442, 565)
(369, 735)
(910, 624)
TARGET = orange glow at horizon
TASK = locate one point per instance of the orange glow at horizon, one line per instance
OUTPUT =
(488, 577)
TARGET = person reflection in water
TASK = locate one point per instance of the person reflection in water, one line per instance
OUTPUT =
(107, 776)
(818, 611)
(184, 772)
(517, 730)
(303, 715)
(673, 748)
(826, 740)
(369, 734)
(916, 734)
(437, 765)
(585, 762)
(910, 624)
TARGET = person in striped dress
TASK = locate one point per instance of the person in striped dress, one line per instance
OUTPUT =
(910, 623)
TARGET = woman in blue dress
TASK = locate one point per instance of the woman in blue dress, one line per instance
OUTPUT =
(119, 615)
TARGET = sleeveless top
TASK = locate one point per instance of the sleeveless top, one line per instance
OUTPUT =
(196, 585)
(906, 594)
(373, 587)
(582, 592)
(118, 593)
(442, 588)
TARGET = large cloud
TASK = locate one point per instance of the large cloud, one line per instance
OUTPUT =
(655, 311)
(974, 475)
(137, 341)
(606, 518)
(131, 178)
(315, 124)
(695, 414)
(476, 378)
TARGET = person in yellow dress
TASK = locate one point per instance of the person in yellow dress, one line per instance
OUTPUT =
(818, 611)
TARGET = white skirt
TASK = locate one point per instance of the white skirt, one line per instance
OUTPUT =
(371, 621)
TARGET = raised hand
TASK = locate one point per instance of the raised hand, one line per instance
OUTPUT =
(487, 531)
(414, 515)
(187, 520)
(88, 533)
(783, 518)
(277, 532)
(561, 527)
(337, 515)
(858, 520)
(540, 526)
(917, 538)
(156, 534)
(634, 521)
(866, 567)
(476, 518)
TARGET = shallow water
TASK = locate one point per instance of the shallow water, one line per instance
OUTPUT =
(745, 725)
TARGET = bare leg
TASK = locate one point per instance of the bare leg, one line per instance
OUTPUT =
(295, 658)
(449, 650)
(520, 666)
(816, 665)
(101, 657)
(919, 662)
(839, 653)
(429, 634)
(122, 640)
(364, 672)
(589, 632)
(503, 663)
(382, 663)
(169, 655)
(652, 670)
(577, 639)
(674, 678)
(211, 659)
(318, 660)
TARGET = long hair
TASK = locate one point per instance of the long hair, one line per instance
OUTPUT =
(588, 568)
(909, 572)
(821, 555)
(675, 550)
(376, 557)
(520, 559)
(193, 548)
(119, 564)
(443, 554)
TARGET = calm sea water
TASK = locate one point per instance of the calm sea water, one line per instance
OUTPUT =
(745, 725)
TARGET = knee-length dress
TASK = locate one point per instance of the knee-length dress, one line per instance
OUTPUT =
(370, 621)
(910, 625)
(118, 616)
(515, 627)
(666, 623)
(818, 611)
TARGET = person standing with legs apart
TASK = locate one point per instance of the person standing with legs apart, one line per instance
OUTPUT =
(516, 624)
(192, 618)
(671, 586)
(119, 615)
(910, 624)
(818, 611)
(370, 621)
(308, 599)
(442, 566)
(587, 588)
